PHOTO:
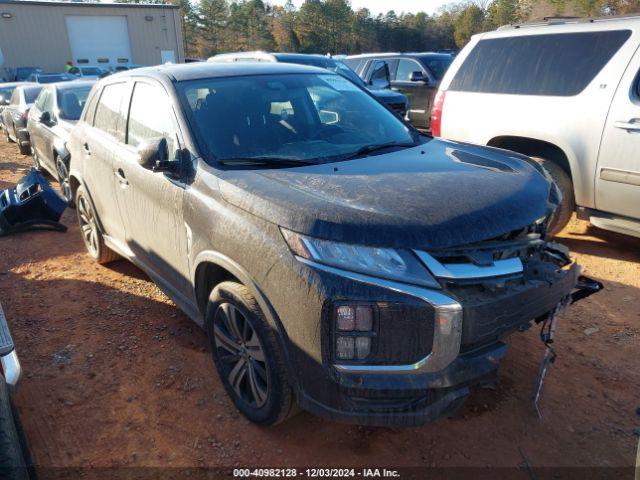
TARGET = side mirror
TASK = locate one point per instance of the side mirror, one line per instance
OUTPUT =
(418, 77)
(152, 151)
(45, 117)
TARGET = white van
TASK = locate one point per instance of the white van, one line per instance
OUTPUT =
(566, 92)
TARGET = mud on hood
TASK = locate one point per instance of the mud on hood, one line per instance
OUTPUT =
(439, 194)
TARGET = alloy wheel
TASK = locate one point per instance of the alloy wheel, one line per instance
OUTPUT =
(88, 226)
(63, 179)
(241, 355)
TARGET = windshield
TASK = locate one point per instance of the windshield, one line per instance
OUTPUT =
(91, 71)
(52, 78)
(5, 93)
(30, 94)
(22, 73)
(325, 62)
(437, 66)
(303, 117)
(71, 101)
(345, 71)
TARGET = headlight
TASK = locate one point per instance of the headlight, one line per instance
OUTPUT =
(400, 265)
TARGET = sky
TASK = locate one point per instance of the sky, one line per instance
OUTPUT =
(383, 6)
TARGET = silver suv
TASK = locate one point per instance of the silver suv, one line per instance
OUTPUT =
(566, 92)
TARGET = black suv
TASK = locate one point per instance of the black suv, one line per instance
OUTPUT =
(336, 257)
(417, 75)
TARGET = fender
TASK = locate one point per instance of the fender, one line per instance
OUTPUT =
(60, 148)
(221, 260)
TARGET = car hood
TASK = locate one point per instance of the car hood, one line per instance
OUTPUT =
(436, 195)
(388, 95)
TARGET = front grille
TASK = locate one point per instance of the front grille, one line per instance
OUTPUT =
(478, 263)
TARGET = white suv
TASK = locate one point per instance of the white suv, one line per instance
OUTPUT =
(566, 92)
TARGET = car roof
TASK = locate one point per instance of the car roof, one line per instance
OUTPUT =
(613, 21)
(73, 85)
(401, 54)
(200, 70)
(12, 84)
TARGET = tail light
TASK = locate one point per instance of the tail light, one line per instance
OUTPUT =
(436, 113)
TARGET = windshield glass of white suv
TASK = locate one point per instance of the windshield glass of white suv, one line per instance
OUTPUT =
(304, 117)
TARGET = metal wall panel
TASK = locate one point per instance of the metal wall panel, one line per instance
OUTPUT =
(35, 33)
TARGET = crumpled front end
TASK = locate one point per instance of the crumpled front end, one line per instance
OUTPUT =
(426, 348)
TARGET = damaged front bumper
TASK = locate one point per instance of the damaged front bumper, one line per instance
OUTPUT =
(470, 322)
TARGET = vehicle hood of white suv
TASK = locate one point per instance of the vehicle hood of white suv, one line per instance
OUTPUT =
(436, 195)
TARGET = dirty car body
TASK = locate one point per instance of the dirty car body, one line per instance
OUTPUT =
(54, 114)
(388, 266)
(15, 115)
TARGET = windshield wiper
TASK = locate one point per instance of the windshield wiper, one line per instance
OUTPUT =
(374, 147)
(265, 160)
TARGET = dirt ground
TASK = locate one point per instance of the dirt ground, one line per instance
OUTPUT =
(116, 376)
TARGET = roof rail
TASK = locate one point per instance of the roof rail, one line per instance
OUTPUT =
(562, 20)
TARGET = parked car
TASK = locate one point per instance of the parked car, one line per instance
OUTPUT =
(416, 75)
(15, 115)
(117, 68)
(6, 90)
(87, 72)
(396, 101)
(565, 92)
(22, 73)
(54, 114)
(14, 461)
(49, 77)
(330, 250)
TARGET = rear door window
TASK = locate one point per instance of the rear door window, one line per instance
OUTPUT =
(560, 64)
(108, 112)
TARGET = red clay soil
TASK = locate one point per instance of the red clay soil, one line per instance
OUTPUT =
(116, 376)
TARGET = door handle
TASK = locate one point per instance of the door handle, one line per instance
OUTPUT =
(632, 125)
(86, 148)
(122, 179)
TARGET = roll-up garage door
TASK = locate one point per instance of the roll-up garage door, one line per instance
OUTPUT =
(99, 40)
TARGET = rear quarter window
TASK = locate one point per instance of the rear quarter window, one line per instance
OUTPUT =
(561, 64)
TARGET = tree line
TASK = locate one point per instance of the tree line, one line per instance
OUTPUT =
(333, 26)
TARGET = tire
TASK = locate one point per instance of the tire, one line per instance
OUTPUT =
(24, 150)
(12, 460)
(63, 179)
(90, 230)
(567, 206)
(252, 369)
